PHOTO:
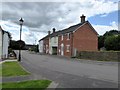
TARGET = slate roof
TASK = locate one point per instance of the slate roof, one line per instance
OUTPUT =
(67, 30)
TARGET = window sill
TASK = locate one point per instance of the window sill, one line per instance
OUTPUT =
(67, 51)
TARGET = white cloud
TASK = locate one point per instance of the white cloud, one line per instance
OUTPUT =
(41, 17)
(89, 8)
(51, 0)
(101, 29)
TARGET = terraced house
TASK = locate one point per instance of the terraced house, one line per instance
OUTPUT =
(69, 41)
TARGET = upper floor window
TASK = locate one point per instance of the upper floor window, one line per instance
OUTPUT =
(62, 37)
(68, 36)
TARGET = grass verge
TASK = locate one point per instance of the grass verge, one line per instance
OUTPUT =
(12, 69)
(26, 85)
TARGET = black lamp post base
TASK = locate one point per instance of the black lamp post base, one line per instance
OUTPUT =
(19, 58)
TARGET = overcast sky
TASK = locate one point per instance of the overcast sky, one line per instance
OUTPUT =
(39, 17)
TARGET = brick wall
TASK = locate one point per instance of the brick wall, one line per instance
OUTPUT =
(85, 39)
(65, 42)
(46, 45)
(100, 55)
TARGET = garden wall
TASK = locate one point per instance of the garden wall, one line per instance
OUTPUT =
(100, 55)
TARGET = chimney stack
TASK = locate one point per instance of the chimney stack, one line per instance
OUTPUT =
(82, 18)
(48, 32)
(53, 30)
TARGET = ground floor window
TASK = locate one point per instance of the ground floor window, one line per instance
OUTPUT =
(67, 48)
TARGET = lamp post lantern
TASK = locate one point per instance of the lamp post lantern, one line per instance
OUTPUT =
(21, 23)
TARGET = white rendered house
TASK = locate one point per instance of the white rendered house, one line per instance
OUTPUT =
(4, 43)
(41, 46)
(6, 40)
(1, 40)
(53, 45)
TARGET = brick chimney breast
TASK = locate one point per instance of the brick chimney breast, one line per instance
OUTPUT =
(82, 18)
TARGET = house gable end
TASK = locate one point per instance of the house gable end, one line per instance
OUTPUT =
(89, 26)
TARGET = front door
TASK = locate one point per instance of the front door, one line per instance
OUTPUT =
(54, 50)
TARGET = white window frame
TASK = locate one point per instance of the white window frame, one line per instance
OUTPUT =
(68, 36)
(61, 37)
(67, 48)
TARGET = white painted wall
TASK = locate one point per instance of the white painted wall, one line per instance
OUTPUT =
(6, 41)
(0, 43)
(53, 42)
(41, 46)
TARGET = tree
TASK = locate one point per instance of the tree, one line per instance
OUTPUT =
(13, 44)
(109, 39)
(100, 42)
(112, 42)
(111, 32)
(20, 44)
(16, 44)
(35, 48)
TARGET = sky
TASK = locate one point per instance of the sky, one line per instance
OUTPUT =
(41, 16)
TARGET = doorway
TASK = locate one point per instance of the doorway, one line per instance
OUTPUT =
(62, 49)
(54, 50)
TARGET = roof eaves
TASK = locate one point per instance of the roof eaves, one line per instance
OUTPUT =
(72, 28)
(44, 38)
(92, 28)
(67, 30)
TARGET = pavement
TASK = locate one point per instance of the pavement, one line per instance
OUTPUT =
(24, 77)
(69, 73)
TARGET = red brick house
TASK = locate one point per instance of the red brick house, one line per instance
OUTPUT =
(80, 37)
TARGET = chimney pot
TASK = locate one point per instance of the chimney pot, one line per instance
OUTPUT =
(53, 30)
(48, 32)
(82, 18)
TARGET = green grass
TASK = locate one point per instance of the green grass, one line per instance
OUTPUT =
(12, 69)
(0, 69)
(26, 85)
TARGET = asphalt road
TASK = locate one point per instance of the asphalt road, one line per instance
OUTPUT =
(71, 73)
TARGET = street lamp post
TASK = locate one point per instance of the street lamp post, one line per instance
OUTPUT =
(21, 23)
